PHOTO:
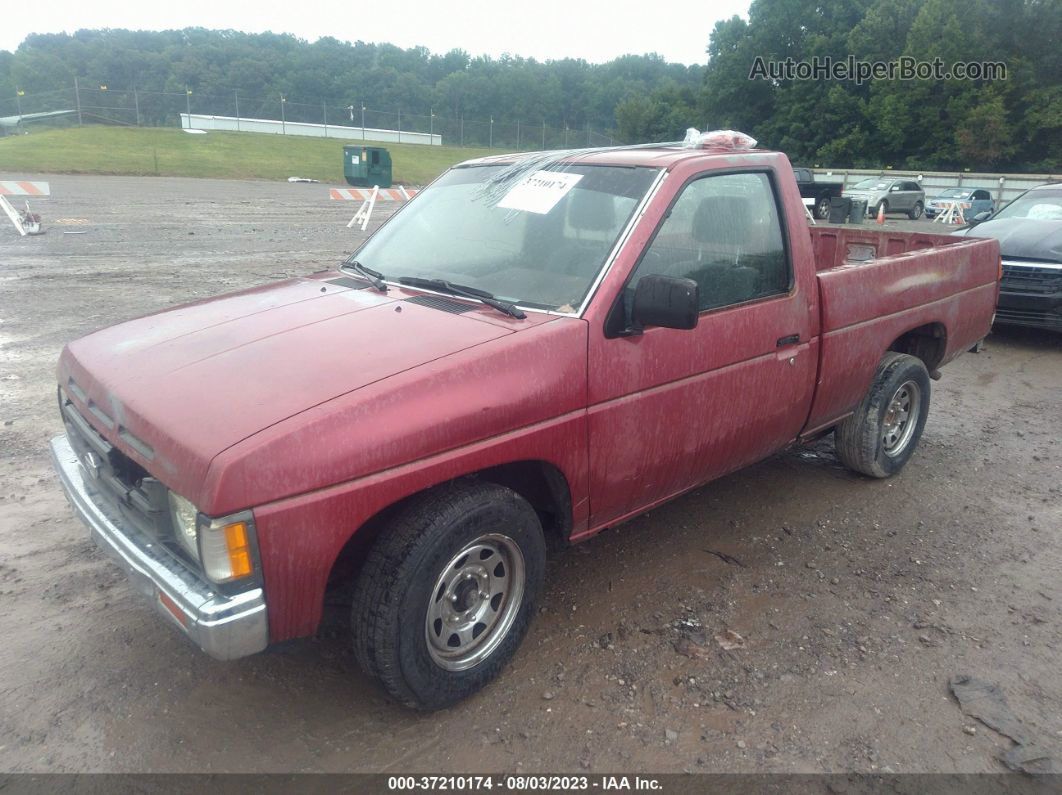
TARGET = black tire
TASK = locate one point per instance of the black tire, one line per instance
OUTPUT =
(822, 208)
(915, 212)
(394, 592)
(863, 439)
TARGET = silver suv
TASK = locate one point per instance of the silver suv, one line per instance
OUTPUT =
(894, 195)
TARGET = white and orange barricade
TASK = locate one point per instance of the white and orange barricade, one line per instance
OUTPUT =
(23, 188)
(25, 223)
(368, 199)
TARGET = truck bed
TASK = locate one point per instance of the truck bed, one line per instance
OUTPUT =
(934, 291)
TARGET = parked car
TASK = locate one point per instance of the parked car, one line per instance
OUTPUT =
(819, 190)
(972, 202)
(512, 358)
(1029, 231)
(892, 195)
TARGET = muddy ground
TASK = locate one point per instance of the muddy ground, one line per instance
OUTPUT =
(857, 599)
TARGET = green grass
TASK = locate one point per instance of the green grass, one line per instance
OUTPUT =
(220, 155)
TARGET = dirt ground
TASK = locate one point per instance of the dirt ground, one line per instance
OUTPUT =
(856, 599)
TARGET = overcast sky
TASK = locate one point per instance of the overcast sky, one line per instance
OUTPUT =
(597, 31)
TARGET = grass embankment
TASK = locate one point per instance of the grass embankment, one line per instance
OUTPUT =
(220, 155)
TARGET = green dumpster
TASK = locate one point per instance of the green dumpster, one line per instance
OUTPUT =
(366, 166)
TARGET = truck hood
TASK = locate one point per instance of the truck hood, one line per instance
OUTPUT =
(174, 389)
(1025, 238)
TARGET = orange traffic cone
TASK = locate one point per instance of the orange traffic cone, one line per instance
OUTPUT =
(881, 213)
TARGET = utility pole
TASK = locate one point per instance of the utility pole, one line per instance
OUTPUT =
(431, 126)
(188, 104)
(236, 97)
(362, 121)
(18, 102)
(324, 113)
(136, 104)
(400, 125)
(543, 133)
(517, 133)
(491, 144)
(462, 130)
(588, 133)
(283, 122)
(77, 97)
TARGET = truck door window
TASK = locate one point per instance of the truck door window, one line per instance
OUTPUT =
(724, 232)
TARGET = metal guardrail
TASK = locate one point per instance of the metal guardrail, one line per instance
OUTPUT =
(1003, 187)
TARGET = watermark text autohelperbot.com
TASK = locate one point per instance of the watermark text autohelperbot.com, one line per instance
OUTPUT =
(851, 68)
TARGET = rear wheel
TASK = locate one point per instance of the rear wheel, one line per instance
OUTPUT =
(448, 592)
(883, 432)
(822, 208)
(915, 212)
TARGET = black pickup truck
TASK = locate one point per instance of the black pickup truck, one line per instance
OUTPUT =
(821, 192)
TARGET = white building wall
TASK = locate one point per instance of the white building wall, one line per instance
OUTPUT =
(198, 121)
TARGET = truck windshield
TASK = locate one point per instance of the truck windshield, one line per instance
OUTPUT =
(540, 244)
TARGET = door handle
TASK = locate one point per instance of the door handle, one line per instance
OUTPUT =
(792, 339)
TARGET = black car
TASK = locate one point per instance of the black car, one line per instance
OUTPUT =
(1029, 231)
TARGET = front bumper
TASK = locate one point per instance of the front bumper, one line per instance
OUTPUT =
(1030, 294)
(224, 626)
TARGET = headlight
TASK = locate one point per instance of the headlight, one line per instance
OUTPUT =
(225, 547)
(184, 515)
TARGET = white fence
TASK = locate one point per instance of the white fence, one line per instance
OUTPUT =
(198, 121)
(1003, 187)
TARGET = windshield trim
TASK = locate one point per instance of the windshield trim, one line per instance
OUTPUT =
(603, 271)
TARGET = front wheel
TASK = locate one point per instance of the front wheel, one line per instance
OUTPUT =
(916, 212)
(448, 592)
(881, 435)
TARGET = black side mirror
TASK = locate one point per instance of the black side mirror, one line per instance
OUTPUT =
(666, 301)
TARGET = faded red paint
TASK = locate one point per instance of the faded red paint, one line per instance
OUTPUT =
(318, 409)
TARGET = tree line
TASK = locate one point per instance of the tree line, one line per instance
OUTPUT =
(210, 63)
(1012, 124)
(984, 124)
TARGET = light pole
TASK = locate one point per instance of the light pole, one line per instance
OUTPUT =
(236, 96)
(188, 104)
(431, 126)
(490, 144)
(18, 102)
(283, 120)
(363, 121)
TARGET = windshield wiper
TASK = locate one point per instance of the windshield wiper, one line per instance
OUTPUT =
(375, 278)
(464, 291)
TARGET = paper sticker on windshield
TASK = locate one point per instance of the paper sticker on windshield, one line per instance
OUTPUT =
(540, 192)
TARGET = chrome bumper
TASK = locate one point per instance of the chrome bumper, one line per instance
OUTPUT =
(225, 627)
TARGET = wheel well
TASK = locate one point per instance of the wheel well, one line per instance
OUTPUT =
(538, 482)
(928, 343)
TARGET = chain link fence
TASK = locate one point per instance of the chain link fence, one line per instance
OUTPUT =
(141, 108)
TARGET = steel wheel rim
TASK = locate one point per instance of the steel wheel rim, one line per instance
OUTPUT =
(901, 418)
(474, 602)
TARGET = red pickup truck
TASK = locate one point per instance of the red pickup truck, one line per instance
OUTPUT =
(518, 356)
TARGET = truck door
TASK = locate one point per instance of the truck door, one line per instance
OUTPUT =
(670, 409)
